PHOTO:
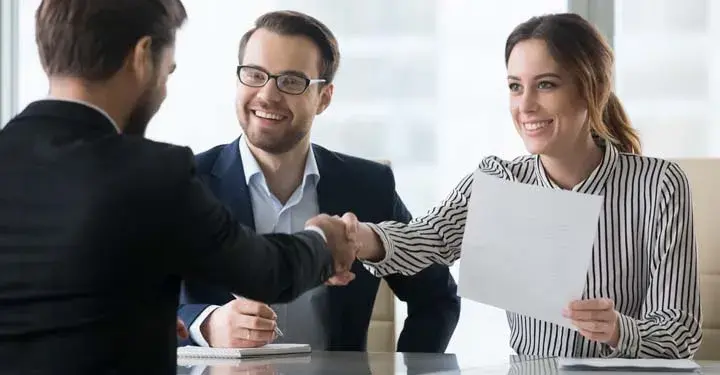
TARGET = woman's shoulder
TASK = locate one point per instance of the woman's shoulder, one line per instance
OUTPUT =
(508, 169)
(666, 171)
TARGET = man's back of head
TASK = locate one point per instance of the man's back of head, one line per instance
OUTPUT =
(91, 39)
(115, 54)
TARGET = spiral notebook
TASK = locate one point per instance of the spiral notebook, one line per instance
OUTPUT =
(286, 359)
(267, 350)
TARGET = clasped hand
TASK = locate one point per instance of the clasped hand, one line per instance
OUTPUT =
(342, 239)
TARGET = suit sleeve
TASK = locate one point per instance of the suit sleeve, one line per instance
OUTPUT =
(193, 315)
(210, 245)
(431, 295)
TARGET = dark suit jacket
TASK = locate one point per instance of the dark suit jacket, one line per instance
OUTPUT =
(97, 230)
(346, 184)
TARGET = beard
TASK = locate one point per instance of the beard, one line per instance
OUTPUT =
(275, 144)
(145, 108)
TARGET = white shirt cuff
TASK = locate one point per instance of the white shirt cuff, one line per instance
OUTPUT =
(195, 332)
(317, 230)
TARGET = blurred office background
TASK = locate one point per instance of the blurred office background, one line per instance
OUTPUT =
(422, 84)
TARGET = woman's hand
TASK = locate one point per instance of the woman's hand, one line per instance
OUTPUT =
(596, 319)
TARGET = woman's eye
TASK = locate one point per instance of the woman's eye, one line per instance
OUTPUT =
(546, 85)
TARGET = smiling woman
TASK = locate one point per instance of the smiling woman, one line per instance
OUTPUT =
(631, 307)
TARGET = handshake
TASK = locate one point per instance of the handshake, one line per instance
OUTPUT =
(346, 238)
(244, 323)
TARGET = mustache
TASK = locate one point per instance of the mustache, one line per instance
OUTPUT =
(266, 106)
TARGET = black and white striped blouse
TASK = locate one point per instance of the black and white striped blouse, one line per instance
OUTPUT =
(644, 256)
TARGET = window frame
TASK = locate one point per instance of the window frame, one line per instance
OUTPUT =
(9, 55)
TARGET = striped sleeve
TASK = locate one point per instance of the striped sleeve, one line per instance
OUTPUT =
(433, 238)
(670, 324)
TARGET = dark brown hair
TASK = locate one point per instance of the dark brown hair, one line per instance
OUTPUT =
(90, 39)
(288, 22)
(578, 47)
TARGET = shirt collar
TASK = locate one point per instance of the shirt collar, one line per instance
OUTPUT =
(93, 106)
(252, 168)
(593, 184)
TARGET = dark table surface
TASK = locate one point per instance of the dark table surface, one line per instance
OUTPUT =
(351, 363)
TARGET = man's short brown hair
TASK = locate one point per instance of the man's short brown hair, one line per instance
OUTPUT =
(90, 39)
(288, 22)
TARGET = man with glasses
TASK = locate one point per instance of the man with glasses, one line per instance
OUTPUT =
(273, 179)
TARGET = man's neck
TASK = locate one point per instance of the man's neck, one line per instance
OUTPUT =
(98, 95)
(573, 166)
(283, 172)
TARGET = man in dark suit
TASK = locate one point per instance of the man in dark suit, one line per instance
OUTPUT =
(272, 179)
(98, 225)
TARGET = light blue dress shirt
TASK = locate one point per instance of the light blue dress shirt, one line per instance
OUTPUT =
(272, 216)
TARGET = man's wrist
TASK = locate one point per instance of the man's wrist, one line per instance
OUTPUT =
(317, 230)
(199, 327)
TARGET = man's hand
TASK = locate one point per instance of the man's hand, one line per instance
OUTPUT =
(341, 240)
(368, 243)
(596, 319)
(182, 331)
(240, 323)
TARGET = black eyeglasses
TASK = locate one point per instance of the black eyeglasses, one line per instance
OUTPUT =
(288, 83)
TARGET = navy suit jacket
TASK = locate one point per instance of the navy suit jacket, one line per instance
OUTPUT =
(367, 189)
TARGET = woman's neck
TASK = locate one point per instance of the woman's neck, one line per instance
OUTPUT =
(569, 168)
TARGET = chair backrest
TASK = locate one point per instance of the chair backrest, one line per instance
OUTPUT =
(381, 333)
(704, 177)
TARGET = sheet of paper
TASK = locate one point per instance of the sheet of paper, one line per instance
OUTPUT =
(626, 364)
(527, 249)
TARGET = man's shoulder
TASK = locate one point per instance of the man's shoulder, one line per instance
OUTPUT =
(151, 152)
(153, 161)
(206, 159)
(356, 166)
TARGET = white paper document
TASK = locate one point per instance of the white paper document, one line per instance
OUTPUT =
(611, 364)
(526, 249)
(266, 350)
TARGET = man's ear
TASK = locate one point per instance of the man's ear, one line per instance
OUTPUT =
(140, 59)
(326, 94)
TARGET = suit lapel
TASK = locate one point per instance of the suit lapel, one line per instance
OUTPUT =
(231, 187)
(329, 201)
